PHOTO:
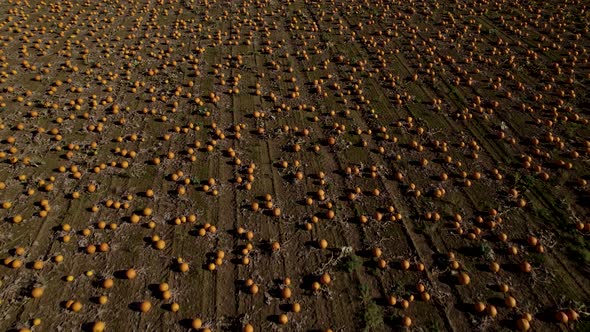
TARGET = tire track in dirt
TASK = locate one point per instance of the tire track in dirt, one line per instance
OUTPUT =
(351, 238)
(421, 248)
(218, 169)
(241, 305)
(203, 169)
(269, 227)
(237, 100)
(225, 286)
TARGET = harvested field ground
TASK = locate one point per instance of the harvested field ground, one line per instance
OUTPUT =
(294, 165)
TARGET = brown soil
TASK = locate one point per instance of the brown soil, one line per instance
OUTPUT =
(368, 103)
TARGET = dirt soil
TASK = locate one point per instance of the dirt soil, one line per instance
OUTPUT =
(299, 165)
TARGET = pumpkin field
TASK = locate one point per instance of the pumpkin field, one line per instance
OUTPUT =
(297, 165)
